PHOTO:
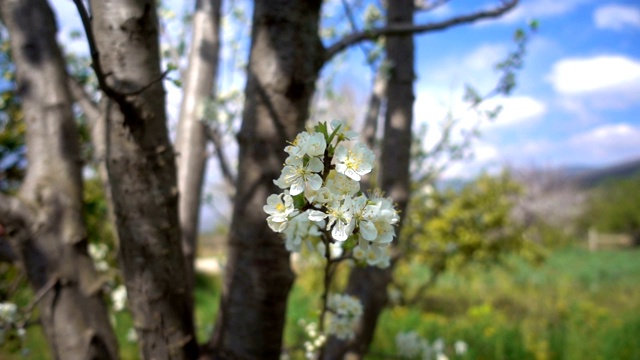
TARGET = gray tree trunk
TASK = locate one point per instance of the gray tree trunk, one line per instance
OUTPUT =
(48, 232)
(286, 55)
(191, 144)
(142, 176)
(369, 284)
(370, 128)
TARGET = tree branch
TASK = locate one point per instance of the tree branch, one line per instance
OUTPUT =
(214, 136)
(82, 98)
(405, 29)
(93, 49)
(354, 28)
(97, 65)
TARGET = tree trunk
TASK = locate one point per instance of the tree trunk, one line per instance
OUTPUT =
(369, 284)
(191, 143)
(142, 176)
(284, 62)
(370, 127)
(52, 243)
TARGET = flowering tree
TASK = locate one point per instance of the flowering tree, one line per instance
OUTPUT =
(323, 209)
(321, 198)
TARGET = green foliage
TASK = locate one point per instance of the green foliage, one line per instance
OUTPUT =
(12, 128)
(615, 206)
(96, 215)
(451, 229)
(515, 60)
(577, 305)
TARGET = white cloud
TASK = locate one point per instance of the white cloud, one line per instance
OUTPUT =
(515, 110)
(485, 158)
(610, 142)
(485, 57)
(608, 134)
(578, 109)
(616, 17)
(596, 74)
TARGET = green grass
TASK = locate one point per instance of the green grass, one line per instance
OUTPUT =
(576, 305)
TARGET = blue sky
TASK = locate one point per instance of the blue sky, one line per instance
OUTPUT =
(578, 96)
(577, 100)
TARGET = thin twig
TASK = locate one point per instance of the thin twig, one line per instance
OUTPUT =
(354, 28)
(82, 97)
(326, 282)
(151, 83)
(37, 298)
(213, 134)
(406, 29)
(97, 65)
(93, 48)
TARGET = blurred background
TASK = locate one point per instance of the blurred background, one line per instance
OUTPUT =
(522, 236)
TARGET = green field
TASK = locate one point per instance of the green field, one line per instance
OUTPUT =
(576, 305)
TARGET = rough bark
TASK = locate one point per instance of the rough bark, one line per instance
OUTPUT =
(46, 225)
(142, 176)
(370, 127)
(283, 67)
(191, 144)
(369, 284)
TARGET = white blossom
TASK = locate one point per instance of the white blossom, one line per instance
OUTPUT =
(460, 347)
(364, 214)
(119, 297)
(343, 130)
(438, 345)
(132, 336)
(355, 162)
(305, 143)
(297, 174)
(346, 312)
(280, 208)
(332, 202)
(341, 186)
(321, 196)
(8, 312)
(98, 252)
(411, 345)
(340, 217)
(299, 229)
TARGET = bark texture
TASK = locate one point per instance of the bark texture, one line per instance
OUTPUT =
(283, 66)
(142, 176)
(191, 144)
(370, 128)
(369, 284)
(47, 229)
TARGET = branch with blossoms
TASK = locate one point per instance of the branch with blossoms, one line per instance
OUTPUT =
(322, 207)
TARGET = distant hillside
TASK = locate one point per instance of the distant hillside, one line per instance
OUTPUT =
(584, 176)
(591, 178)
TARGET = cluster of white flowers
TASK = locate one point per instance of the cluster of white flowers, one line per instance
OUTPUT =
(119, 298)
(346, 313)
(315, 338)
(8, 312)
(98, 253)
(8, 323)
(410, 345)
(321, 187)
